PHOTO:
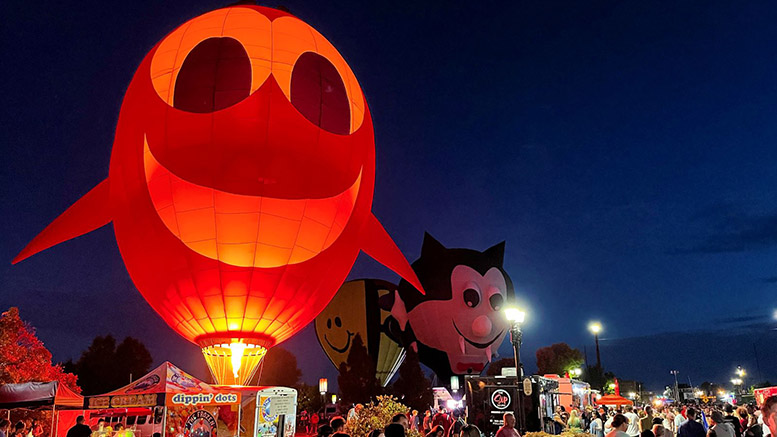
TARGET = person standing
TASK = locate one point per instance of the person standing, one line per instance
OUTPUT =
(769, 415)
(691, 428)
(427, 422)
(79, 429)
(596, 428)
(733, 421)
(620, 423)
(720, 428)
(646, 423)
(633, 429)
(508, 429)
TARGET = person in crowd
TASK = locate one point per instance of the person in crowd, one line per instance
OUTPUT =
(508, 429)
(395, 429)
(559, 420)
(732, 420)
(414, 420)
(646, 421)
(436, 431)
(303, 421)
(324, 430)
(633, 429)
(102, 429)
(679, 420)
(720, 427)
(442, 419)
(573, 423)
(376, 433)
(4, 425)
(769, 415)
(620, 424)
(340, 434)
(470, 431)
(120, 431)
(647, 433)
(79, 429)
(691, 428)
(426, 424)
(658, 428)
(401, 419)
(18, 429)
(338, 424)
(314, 419)
(458, 424)
(596, 427)
(741, 414)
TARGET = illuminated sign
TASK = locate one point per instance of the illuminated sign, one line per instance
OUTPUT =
(204, 398)
(500, 399)
(123, 401)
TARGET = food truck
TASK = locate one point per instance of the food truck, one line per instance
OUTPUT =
(761, 394)
(573, 393)
(488, 398)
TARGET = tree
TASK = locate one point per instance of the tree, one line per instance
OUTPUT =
(412, 387)
(308, 398)
(376, 415)
(24, 358)
(495, 368)
(104, 366)
(280, 368)
(357, 379)
(558, 359)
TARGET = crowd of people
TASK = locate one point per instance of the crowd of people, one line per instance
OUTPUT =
(101, 429)
(22, 428)
(433, 424)
(686, 421)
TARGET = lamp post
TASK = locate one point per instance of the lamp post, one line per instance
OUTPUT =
(596, 328)
(516, 318)
(576, 372)
(741, 375)
(676, 386)
(323, 385)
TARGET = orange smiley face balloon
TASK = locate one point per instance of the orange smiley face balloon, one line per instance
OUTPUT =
(241, 182)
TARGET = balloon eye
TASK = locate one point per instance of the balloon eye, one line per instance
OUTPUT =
(338, 322)
(216, 74)
(329, 323)
(496, 301)
(471, 297)
(318, 93)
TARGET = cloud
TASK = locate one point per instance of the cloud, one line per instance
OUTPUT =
(727, 230)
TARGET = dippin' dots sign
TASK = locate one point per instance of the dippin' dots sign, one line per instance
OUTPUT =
(204, 398)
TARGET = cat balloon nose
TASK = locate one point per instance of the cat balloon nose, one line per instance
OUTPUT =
(481, 326)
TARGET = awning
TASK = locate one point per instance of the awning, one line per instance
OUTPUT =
(613, 400)
(39, 395)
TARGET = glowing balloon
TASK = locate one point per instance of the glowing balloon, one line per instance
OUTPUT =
(356, 310)
(240, 185)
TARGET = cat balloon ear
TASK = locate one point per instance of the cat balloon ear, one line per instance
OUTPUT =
(431, 247)
(496, 253)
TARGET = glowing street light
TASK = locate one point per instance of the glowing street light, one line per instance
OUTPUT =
(741, 372)
(576, 372)
(516, 318)
(596, 328)
(736, 381)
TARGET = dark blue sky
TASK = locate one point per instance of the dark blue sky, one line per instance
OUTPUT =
(624, 150)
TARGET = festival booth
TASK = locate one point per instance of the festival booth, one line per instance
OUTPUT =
(613, 400)
(169, 402)
(65, 405)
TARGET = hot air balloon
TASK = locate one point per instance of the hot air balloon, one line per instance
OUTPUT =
(458, 325)
(359, 308)
(240, 184)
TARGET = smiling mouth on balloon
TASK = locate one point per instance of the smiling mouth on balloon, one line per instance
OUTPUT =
(242, 230)
(344, 348)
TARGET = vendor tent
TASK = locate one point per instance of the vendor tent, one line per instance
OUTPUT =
(613, 400)
(34, 395)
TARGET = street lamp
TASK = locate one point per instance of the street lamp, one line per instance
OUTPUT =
(322, 387)
(516, 317)
(676, 386)
(596, 328)
(576, 372)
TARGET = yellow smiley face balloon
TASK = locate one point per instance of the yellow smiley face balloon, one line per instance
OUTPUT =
(356, 310)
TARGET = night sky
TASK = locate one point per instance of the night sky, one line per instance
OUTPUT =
(626, 151)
